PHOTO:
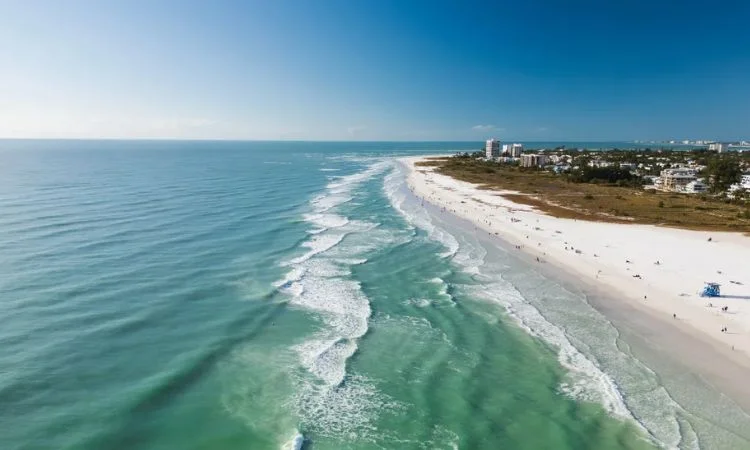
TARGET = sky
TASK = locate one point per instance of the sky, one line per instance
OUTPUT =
(375, 69)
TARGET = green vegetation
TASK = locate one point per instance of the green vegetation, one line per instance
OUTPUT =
(612, 175)
(722, 172)
(562, 196)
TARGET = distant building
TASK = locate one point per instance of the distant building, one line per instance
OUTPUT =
(506, 149)
(676, 180)
(492, 148)
(600, 163)
(516, 150)
(695, 187)
(743, 184)
(533, 160)
(561, 168)
(718, 146)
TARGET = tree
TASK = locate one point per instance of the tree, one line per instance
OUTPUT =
(722, 173)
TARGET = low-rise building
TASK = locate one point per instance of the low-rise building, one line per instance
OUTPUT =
(676, 179)
(533, 160)
(561, 167)
(743, 184)
(696, 187)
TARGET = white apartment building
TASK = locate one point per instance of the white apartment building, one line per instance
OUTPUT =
(718, 146)
(492, 148)
(516, 150)
(695, 187)
(532, 160)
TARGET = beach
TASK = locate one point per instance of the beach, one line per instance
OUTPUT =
(650, 276)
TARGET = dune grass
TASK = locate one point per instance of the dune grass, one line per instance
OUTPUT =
(554, 195)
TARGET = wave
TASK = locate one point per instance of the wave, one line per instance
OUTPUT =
(328, 400)
(324, 202)
(326, 221)
(326, 358)
(415, 215)
(345, 183)
(318, 244)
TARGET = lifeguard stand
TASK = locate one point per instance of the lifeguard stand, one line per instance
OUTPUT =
(711, 290)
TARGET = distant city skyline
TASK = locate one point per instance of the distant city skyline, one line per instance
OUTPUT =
(375, 71)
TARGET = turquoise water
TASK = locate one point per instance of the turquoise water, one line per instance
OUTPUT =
(204, 295)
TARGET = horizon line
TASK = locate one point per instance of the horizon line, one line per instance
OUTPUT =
(157, 139)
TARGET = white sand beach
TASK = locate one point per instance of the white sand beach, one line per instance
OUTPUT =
(657, 270)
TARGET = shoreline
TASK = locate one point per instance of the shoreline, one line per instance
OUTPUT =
(691, 339)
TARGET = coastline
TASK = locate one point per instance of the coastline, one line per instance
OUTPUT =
(599, 270)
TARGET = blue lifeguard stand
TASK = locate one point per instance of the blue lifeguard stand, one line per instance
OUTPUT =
(711, 290)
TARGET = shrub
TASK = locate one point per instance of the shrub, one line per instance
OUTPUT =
(661, 203)
(588, 197)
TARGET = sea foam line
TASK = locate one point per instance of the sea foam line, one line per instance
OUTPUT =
(320, 281)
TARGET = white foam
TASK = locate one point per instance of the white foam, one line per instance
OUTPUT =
(419, 302)
(345, 411)
(319, 243)
(326, 221)
(326, 358)
(470, 255)
(295, 443)
(329, 401)
(345, 308)
(324, 202)
(345, 183)
(416, 215)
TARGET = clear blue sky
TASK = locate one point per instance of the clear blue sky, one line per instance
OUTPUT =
(375, 70)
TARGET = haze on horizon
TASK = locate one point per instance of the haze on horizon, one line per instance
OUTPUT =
(385, 70)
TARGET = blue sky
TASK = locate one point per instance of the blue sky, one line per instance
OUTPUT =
(375, 70)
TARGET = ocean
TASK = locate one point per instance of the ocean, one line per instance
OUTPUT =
(270, 295)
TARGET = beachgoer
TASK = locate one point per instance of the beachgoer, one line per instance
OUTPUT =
(674, 315)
